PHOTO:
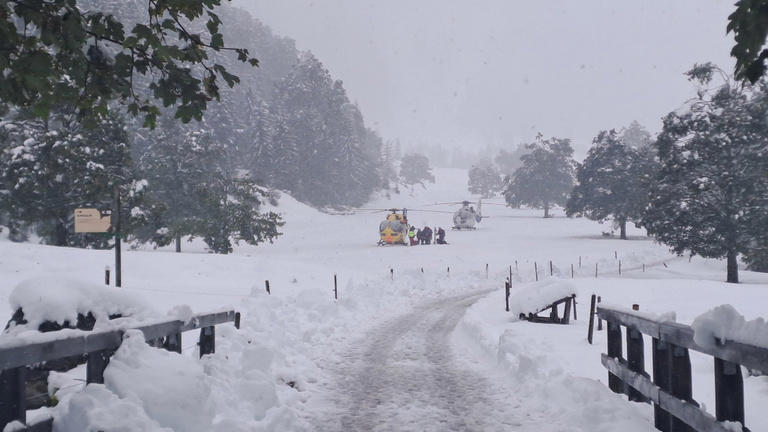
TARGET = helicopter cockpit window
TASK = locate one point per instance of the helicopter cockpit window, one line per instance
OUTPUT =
(396, 226)
(383, 225)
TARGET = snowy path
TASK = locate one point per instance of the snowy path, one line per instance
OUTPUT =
(405, 375)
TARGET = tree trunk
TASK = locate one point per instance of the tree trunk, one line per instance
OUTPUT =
(546, 210)
(61, 234)
(623, 228)
(733, 267)
(178, 243)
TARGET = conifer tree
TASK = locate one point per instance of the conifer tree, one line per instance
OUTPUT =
(51, 166)
(484, 179)
(712, 188)
(414, 168)
(613, 182)
(546, 176)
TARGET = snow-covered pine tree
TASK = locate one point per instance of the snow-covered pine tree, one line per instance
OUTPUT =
(612, 182)
(191, 175)
(414, 168)
(50, 167)
(318, 150)
(484, 179)
(546, 176)
(712, 184)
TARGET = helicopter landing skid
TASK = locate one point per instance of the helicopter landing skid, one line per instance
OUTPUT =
(463, 229)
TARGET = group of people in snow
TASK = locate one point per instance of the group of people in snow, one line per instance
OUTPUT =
(424, 236)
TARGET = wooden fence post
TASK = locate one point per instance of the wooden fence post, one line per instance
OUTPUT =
(207, 340)
(486, 270)
(97, 363)
(599, 320)
(595, 269)
(579, 261)
(591, 318)
(551, 270)
(13, 404)
(619, 267)
(237, 320)
(106, 275)
(536, 270)
(573, 296)
(266, 283)
(662, 371)
(571, 271)
(392, 274)
(567, 312)
(635, 361)
(614, 350)
(729, 391)
(173, 341)
(681, 383)
(336, 287)
(506, 290)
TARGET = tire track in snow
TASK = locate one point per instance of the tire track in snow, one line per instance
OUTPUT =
(405, 376)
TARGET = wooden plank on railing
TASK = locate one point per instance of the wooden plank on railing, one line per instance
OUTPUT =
(86, 342)
(644, 325)
(750, 356)
(45, 425)
(685, 411)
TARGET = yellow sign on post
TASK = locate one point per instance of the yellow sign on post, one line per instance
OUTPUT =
(91, 220)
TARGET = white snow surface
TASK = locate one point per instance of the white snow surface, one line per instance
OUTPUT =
(421, 348)
(59, 299)
(532, 297)
(726, 323)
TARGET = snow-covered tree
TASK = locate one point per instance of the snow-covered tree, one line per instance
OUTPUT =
(712, 186)
(50, 167)
(190, 174)
(509, 162)
(613, 182)
(485, 179)
(414, 168)
(321, 150)
(546, 176)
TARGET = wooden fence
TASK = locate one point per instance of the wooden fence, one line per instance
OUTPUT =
(670, 390)
(98, 347)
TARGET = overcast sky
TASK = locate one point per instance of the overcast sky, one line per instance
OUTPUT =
(499, 71)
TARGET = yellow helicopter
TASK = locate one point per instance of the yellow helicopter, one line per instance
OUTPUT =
(394, 228)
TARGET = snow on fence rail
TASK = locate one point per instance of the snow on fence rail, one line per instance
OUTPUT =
(670, 390)
(99, 347)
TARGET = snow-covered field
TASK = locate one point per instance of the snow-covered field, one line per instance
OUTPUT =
(302, 361)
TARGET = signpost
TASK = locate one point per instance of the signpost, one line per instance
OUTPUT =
(92, 220)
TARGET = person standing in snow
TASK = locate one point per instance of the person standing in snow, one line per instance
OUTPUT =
(427, 233)
(440, 238)
(412, 235)
(419, 236)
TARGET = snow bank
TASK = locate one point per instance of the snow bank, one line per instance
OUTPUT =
(532, 297)
(670, 316)
(61, 299)
(543, 363)
(725, 323)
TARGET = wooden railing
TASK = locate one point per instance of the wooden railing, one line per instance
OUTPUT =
(670, 390)
(98, 347)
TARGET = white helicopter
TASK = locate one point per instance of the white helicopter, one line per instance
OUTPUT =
(467, 216)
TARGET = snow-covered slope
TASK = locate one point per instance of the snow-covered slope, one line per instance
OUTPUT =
(293, 335)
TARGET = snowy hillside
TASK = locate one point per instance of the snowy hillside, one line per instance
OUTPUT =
(296, 364)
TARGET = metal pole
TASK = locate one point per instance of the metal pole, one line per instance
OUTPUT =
(118, 261)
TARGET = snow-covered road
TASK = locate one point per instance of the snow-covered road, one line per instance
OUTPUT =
(405, 375)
